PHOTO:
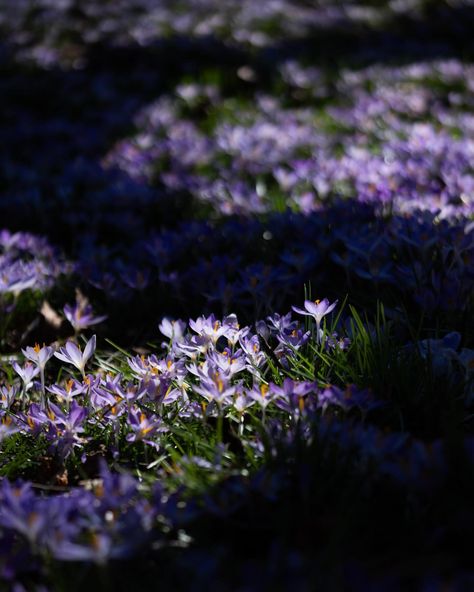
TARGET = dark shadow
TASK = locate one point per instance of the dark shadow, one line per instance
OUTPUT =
(56, 125)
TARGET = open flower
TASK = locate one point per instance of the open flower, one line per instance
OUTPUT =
(317, 309)
(143, 427)
(26, 373)
(39, 356)
(81, 315)
(71, 354)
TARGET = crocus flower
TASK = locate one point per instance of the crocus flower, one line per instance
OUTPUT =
(39, 356)
(66, 427)
(317, 309)
(71, 354)
(216, 388)
(8, 394)
(26, 373)
(81, 316)
(142, 427)
(174, 330)
(228, 362)
(7, 426)
(99, 548)
(291, 395)
(21, 511)
(261, 395)
(71, 389)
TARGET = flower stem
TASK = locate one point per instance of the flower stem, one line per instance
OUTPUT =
(220, 427)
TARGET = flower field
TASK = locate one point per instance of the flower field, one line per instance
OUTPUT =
(236, 295)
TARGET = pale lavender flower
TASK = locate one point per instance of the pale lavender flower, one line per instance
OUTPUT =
(174, 330)
(39, 356)
(262, 395)
(210, 327)
(67, 427)
(255, 358)
(317, 309)
(81, 315)
(71, 354)
(71, 389)
(216, 388)
(26, 373)
(8, 394)
(228, 362)
(7, 427)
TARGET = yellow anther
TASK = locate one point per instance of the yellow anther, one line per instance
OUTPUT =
(32, 518)
(95, 541)
(169, 363)
(317, 301)
(37, 348)
(264, 389)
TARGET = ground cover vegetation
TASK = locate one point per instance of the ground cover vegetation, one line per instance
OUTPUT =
(236, 295)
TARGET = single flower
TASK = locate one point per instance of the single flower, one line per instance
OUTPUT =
(317, 309)
(81, 315)
(71, 354)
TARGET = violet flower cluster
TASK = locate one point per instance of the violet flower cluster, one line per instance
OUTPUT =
(199, 157)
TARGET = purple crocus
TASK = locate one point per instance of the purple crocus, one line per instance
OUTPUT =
(174, 330)
(66, 427)
(291, 395)
(71, 354)
(7, 426)
(143, 427)
(39, 356)
(26, 373)
(81, 315)
(317, 309)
